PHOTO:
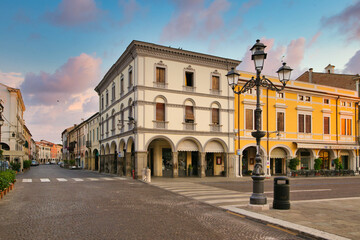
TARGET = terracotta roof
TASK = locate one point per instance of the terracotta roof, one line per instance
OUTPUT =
(330, 79)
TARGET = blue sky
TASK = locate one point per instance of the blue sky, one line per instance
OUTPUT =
(45, 45)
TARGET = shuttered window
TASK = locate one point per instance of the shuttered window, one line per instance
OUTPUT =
(189, 113)
(304, 123)
(160, 112)
(160, 75)
(346, 128)
(308, 123)
(249, 119)
(215, 82)
(215, 116)
(130, 79)
(121, 85)
(301, 123)
(280, 121)
(326, 125)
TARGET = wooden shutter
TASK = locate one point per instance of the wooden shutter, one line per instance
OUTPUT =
(189, 113)
(348, 126)
(301, 123)
(215, 116)
(160, 75)
(160, 112)
(308, 123)
(215, 82)
(280, 121)
(326, 125)
(343, 126)
(249, 119)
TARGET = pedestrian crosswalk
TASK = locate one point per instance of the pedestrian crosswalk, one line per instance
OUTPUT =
(48, 180)
(207, 194)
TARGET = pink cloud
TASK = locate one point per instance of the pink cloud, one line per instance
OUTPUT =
(193, 18)
(353, 65)
(74, 12)
(11, 79)
(347, 22)
(292, 54)
(314, 39)
(76, 75)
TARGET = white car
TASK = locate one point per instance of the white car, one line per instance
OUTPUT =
(53, 162)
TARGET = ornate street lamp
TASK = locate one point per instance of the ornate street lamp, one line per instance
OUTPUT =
(258, 56)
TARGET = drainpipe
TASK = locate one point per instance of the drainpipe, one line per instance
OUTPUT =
(337, 127)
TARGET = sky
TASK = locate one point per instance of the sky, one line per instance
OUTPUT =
(56, 52)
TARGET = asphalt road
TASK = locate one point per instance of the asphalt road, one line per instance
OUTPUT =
(49, 202)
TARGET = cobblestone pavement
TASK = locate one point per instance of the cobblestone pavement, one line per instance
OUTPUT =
(330, 205)
(114, 209)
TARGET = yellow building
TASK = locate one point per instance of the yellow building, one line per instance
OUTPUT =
(305, 120)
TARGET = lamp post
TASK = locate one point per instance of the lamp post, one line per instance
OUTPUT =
(258, 56)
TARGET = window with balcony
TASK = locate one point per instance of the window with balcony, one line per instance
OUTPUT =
(121, 85)
(304, 122)
(130, 77)
(346, 126)
(215, 84)
(113, 92)
(326, 125)
(280, 121)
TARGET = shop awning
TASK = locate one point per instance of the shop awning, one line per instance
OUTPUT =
(214, 147)
(278, 153)
(327, 146)
(188, 146)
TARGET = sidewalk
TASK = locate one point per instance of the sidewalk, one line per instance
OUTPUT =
(333, 218)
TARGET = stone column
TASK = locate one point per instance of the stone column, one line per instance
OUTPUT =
(202, 164)
(119, 170)
(140, 163)
(175, 164)
(128, 164)
(231, 158)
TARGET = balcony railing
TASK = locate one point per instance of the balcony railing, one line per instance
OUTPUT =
(160, 84)
(160, 124)
(189, 126)
(215, 128)
(188, 89)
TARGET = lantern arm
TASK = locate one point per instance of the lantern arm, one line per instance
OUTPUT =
(248, 85)
(266, 83)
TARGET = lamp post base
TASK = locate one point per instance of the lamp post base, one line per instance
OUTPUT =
(258, 197)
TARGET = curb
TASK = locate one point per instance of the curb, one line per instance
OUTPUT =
(285, 224)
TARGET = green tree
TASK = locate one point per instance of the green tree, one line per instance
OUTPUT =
(293, 163)
(317, 164)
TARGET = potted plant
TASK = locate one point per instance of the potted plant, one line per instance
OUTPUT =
(190, 170)
(293, 163)
(317, 166)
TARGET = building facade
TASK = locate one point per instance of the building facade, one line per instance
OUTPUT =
(304, 121)
(92, 143)
(12, 131)
(167, 109)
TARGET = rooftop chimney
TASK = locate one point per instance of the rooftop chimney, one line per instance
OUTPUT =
(310, 75)
(330, 68)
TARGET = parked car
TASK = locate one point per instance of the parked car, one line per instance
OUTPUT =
(34, 163)
(47, 163)
(53, 162)
(60, 163)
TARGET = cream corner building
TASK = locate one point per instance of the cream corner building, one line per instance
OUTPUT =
(167, 109)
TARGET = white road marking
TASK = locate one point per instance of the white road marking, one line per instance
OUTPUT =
(44, 180)
(61, 179)
(93, 179)
(220, 196)
(325, 200)
(120, 178)
(108, 179)
(78, 179)
(27, 180)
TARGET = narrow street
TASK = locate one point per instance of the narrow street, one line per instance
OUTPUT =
(49, 202)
